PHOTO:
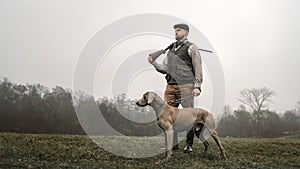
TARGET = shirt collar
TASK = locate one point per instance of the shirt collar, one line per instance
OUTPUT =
(177, 43)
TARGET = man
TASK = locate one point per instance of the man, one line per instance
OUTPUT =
(183, 69)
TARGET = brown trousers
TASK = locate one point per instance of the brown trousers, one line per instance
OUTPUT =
(174, 92)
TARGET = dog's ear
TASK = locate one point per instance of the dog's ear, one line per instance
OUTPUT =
(151, 97)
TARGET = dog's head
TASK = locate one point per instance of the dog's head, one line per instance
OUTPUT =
(147, 99)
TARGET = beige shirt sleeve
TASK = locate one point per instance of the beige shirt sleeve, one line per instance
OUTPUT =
(162, 68)
(197, 64)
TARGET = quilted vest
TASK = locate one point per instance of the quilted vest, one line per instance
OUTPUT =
(180, 67)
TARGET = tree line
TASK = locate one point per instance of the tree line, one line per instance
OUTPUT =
(258, 120)
(34, 108)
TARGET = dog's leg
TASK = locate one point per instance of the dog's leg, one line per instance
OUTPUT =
(217, 140)
(166, 147)
(169, 142)
(206, 144)
(197, 131)
(175, 141)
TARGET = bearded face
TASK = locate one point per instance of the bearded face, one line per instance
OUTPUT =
(180, 33)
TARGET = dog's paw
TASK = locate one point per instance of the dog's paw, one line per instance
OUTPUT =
(158, 162)
(225, 157)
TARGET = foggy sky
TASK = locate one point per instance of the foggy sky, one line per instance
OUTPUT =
(256, 41)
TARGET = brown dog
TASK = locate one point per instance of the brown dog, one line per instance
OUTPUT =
(172, 119)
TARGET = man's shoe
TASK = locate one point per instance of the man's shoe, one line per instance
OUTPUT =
(175, 148)
(187, 149)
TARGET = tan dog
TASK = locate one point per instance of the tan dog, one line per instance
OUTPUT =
(172, 119)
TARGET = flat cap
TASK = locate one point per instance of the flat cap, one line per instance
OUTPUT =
(182, 26)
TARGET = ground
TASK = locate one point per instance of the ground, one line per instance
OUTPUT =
(72, 151)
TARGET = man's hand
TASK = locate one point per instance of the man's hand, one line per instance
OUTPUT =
(150, 60)
(196, 92)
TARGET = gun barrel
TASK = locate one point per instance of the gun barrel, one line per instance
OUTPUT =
(206, 50)
(156, 54)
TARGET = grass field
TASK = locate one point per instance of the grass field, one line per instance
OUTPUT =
(67, 151)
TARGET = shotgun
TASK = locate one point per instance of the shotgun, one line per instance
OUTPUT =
(156, 54)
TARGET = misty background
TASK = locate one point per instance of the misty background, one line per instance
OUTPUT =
(256, 41)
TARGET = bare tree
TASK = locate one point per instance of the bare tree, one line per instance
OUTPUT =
(256, 98)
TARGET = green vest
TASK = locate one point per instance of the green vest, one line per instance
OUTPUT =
(180, 66)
